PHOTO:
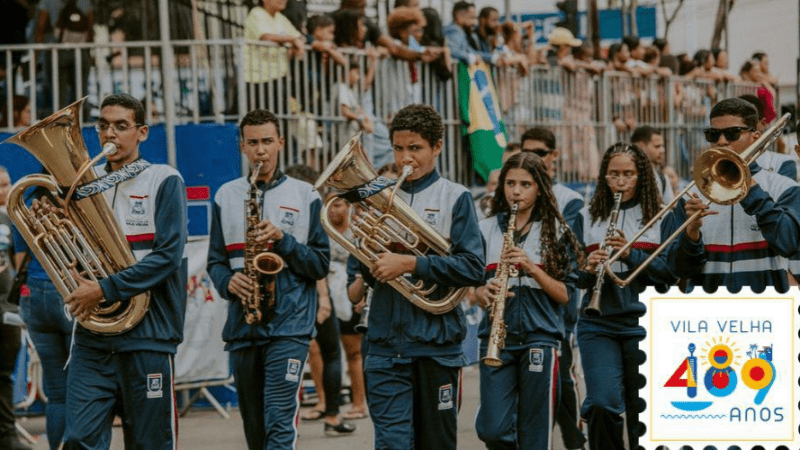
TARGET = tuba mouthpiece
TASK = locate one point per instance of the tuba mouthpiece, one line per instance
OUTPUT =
(109, 149)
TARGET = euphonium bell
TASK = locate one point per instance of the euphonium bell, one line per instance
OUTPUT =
(81, 234)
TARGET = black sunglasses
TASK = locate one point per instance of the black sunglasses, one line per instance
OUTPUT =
(731, 134)
(541, 153)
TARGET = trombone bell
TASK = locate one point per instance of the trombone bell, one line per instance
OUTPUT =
(722, 176)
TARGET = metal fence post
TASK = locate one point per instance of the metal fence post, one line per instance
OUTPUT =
(167, 65)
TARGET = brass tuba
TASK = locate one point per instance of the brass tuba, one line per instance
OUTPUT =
(80, 234)
(385, 220)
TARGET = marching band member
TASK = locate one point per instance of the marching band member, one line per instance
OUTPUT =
(609, 344)
(414, 360)
(268, 355)
(132, 371)
(518, 397)
(746, 243)
(542, 142)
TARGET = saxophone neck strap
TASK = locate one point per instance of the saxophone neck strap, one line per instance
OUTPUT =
(368, 189)
(111, 179)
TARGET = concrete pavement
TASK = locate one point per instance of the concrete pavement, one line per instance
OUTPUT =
(207, 430)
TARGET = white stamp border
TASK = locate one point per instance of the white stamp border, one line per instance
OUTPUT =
(646, 368)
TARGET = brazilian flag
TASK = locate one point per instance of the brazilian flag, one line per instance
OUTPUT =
(480, 113)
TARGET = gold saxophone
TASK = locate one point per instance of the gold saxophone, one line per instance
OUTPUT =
(497, 334)
(78, 234)
(260, 265)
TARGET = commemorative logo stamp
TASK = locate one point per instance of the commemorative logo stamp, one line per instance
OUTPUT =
(721, 369)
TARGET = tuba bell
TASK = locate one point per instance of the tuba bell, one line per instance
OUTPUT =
(79, 234)
(384, 220)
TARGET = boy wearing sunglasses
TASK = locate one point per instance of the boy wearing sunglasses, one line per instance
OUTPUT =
(747, 243)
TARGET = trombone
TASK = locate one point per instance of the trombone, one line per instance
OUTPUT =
(721, 175)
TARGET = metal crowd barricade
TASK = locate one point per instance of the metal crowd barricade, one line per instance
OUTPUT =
(220, 80)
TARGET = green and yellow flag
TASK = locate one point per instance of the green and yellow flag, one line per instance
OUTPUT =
(480, 113)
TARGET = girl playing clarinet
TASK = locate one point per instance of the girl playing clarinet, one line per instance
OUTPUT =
(519, 382)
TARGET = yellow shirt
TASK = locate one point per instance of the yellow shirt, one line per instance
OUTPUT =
(262, 63)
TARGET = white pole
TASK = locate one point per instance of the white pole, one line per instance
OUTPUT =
(167, 65)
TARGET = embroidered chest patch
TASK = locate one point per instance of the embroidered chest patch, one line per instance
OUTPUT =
(431, 216)
(288, 216)
(137, 212)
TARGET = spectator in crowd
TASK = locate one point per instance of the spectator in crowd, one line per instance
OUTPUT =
(349, 103)
(373, 33)
(483, 204)
(721, 64)
(433, 36)
(668, 60)
(406, 3)
(17, 15)
(461, 37)
(347, 313)
(582, 55)
(653, 57)
(674, 180)
(704, 64)
(21, 113)
(618, 56)
(635, 62)
(761, 59)
(265, 67)
(60, 21)
(487, 31)
(562, 42)
(651, 141)
(513, 37)
(324, 354)
(321, 30)
(622, 89)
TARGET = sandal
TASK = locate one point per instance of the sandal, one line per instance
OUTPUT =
(355, 415)
(313, 414)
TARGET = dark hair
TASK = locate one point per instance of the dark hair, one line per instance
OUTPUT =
(128, 102)
(646, 187)
(513, 147)
(755, 101)
(422, 119)
(632, 42)
(540, 134)
(660, 44)
(402, 18)
(758, 56)
(461, 6)
(736, 107)
(346, 32)
(487, 11)
(651, 54)
(318, 21)
(746, 67)
(554, 251)
(614, 49)
(432, 34)
(685, 65)
(716, 51)
(302, 172)
(643, 134)
(700, 57)
(259, 117)
(399, 3)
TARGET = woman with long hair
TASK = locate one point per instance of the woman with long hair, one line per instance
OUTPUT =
(518, 396)
(609, 344)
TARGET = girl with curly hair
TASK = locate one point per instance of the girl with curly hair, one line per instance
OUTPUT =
(517, 397)
(609, 344)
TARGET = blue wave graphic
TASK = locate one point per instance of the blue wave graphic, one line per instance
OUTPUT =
(693, 416)
(691, 406)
